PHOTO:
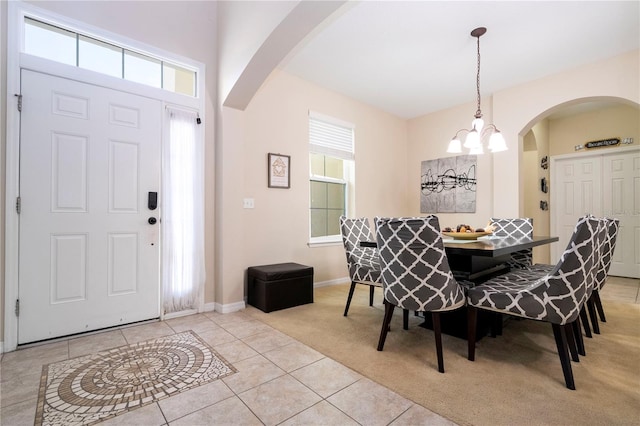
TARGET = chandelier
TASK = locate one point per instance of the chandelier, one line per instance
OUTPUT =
(479, 132)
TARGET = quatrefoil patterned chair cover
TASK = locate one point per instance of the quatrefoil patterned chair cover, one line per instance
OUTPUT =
(612, 225)
(363, 262)
(599, 249)
(515, 228)
(415, 270)
(556, 297)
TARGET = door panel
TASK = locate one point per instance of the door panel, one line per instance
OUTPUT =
(88, 257)
(621, 199)
(577, 182)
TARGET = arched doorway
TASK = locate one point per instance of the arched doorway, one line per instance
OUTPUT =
(561, 134)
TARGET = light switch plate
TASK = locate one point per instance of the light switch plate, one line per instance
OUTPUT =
(247, 203)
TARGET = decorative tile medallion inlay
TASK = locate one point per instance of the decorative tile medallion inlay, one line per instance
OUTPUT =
(91, 388)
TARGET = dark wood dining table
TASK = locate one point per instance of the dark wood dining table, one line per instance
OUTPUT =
(476, 260)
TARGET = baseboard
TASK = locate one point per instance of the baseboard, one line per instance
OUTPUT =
(209, 307)
(179, 314)
(1, 347)
(238, 306)
(228, 308)
(327, 283)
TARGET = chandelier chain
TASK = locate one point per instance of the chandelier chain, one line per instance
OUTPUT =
(479, 132)
(478, 111)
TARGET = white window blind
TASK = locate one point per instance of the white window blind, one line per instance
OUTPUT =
(330, 137)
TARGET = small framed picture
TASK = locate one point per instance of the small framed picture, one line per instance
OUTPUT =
(279, 166)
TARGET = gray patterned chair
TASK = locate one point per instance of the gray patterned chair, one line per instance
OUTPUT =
(607, 233)
(613, 226)
(599, 243)
(556, 297)
(363, 262)
(515, 228)
(415, 273)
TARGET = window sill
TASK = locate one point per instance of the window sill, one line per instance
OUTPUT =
(325, 242)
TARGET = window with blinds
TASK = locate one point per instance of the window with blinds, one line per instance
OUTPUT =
(331, 160)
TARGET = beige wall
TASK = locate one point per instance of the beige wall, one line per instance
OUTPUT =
(3, 145)
(389, 150)
(429, 138)
(515, 111)
(536, 146)
(277, 229)
(617, 121)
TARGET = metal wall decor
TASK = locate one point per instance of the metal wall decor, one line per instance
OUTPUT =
(543, 185)
(603, 142)
(448, 185)
(544, 162)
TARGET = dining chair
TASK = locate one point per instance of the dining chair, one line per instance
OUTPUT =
(613, 226)
(556, 297)
(362, 262)
(415, 273)
(515, 228)
(605, 244)
(599, 243)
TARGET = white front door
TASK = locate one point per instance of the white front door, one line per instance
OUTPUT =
(89, 257)
(621, 199)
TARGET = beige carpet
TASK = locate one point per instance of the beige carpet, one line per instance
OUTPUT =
(515, 380)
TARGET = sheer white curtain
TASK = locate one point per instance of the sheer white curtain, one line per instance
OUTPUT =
(183, 272)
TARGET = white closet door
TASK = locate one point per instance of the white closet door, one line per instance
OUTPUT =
(605, 183)
(621, 199)
(577, 190)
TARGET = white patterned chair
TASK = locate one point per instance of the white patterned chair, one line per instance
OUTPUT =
(415, 273)
(557, 297)
(363, 262)
(515, 228)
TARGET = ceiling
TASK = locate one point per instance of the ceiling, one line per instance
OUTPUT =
(410, 58)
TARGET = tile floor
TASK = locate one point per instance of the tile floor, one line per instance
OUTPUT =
(280, 381)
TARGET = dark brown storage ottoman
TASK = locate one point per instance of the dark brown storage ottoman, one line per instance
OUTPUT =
(280, 286)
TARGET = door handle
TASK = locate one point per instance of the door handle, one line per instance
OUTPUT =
(152, 200)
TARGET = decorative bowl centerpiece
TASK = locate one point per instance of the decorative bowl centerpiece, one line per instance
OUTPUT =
(466, 235)
(466, 232)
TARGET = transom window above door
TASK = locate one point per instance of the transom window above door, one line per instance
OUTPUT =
(72, 48)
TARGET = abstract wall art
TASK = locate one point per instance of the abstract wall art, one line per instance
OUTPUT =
(448, 185)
